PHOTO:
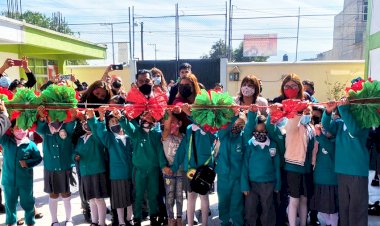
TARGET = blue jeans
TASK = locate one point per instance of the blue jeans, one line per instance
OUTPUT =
(174, 189)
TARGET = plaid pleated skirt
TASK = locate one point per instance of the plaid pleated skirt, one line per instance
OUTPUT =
(325, 199)
(57, 181)
(121, 193)
(95, 186)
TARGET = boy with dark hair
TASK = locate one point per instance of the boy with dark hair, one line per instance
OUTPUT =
(184, 70)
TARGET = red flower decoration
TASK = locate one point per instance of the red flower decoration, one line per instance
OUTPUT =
(155, 105)
(6, 92)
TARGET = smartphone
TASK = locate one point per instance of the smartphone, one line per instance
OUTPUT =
(117, 67)
(65, 77)
(17, 63)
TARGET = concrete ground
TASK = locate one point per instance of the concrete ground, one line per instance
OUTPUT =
(42, 205)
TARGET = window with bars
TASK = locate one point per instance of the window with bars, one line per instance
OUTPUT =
(365, 10)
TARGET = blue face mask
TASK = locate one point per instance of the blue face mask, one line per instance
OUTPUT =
(282, 122)
(156, 81)
(305, 119)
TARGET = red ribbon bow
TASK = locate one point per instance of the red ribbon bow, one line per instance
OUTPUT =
(155, 105)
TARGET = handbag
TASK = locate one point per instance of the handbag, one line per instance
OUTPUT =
(204, 176)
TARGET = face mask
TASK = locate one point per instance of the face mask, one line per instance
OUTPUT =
(116, 84)
(115, 128)
(260, 136)
(146, 125)
(291, 93)
(156, 81)
(146, 89)
(86, 127)
(247, 91)
(20, 134)
(185, 90)
(310, 92)
(236, 130)
(56, 125)
(316, 120)
(305, 119)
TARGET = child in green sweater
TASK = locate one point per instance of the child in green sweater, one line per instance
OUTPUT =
(261, 171)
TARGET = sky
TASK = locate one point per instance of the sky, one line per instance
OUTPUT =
(89, 19)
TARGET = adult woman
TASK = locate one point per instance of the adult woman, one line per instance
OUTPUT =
(188, 89)
(97, 92)
(159, 79)
(291, 88)
(249, 93)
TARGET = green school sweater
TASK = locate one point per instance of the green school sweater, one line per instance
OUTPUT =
(204, 145)
(276, 136)
(230, 154)
(324, 173)
(351, 153)
(12, 173)
(120, 155)
(92, 155)
(148, 152)
(57, 149)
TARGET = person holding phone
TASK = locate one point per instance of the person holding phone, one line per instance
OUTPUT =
(17, 83)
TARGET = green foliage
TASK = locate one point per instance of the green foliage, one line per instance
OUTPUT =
(335, 90)
(54, 23)
(219, 50)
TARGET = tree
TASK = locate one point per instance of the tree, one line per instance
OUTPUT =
(219, 50)
(55, 23)
(238, 56)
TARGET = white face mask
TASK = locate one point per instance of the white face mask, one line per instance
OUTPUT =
(247, 91)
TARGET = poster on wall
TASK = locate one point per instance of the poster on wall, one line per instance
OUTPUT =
(52, 71)
(260, 45)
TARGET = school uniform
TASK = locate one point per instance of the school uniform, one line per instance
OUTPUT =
(260, 176)
(92, 166)
(203, 145)
(228, 168)
(57, 151)
(351, 165)
(120, 151)
(148, 158)
(325, 197)
(16, 180)
(299, 172)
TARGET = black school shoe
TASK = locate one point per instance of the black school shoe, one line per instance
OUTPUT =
(374, 209)
(137, 222)
(375, 182)
(2, 208)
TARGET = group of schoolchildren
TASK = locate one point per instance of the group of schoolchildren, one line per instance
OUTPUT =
(321, 152)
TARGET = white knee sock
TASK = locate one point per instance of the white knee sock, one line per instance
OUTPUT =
(303, 211)
(120, 215)
(191, 200)
(67, 204)
(204, 209)
(292, 210)
(129, 213)
(325, 217)
(102, 211)
(53, 205)
(334, 219)
(94, 211)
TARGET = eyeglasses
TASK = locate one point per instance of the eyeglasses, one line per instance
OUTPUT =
(290, 86)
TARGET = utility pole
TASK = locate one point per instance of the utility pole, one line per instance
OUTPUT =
(142, 40)
(129, 33)
(298, 31)
(230, 32)
(155, 51)
(225, 31)
(133, 32)
(113, 45)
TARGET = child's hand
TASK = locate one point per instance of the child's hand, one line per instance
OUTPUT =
(117, 113)
(167, 171)
(186, 108)
(41, 111)
(73, 112)
(176, 109)
(90, 113)
(246, 193)
(343, 101)
(331, 106)
(274, 107)
(77, 158)
(2, 107)
(102, 112)
(318, 129)
(253, 108)
(23, 164)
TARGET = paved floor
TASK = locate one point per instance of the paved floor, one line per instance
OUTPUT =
(42, 204)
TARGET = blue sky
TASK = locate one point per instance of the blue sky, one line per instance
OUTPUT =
(197, 34)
